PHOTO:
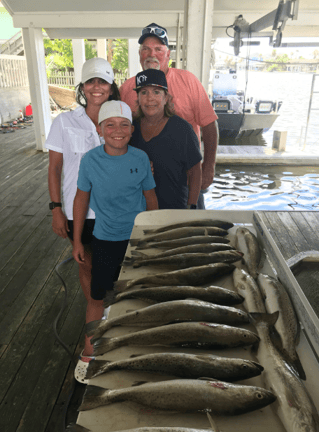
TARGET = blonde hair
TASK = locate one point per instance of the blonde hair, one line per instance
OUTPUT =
(168, 108)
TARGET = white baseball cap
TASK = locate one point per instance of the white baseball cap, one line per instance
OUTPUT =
(115, 109)
(97, 68)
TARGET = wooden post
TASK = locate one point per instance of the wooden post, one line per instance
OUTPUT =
(34, 49)
(199, 38)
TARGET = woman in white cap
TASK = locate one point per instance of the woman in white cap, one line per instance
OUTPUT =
(73, 134)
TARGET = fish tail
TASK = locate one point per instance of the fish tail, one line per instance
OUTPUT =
(96, 367)
(121, 285)
(270, 319)
(134, 242)
(72, 427)
(139, 254)
(296, 364)
(148, 231)
(92, 327)
(110, 298)
(92, 398)
(128, 261)
(103, 345)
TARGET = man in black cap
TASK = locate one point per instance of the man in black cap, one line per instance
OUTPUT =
(189, 96)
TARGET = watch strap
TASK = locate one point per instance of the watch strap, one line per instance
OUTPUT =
(53, 205)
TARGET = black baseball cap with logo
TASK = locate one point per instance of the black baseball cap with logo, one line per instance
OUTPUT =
(154, 30)
(150, 77)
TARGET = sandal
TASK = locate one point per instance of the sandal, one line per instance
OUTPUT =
(81, 369)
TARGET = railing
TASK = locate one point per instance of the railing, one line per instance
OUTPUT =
(62, 79)
(13, 71)
(66, 79)
(12, 44)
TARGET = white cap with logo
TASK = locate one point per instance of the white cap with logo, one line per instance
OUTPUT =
(115, 109)
(97, 68)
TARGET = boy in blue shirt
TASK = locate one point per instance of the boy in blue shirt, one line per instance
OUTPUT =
(116, 179)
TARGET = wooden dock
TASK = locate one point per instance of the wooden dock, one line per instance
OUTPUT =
(36, 372)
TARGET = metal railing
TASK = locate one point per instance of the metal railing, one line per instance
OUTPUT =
(13, 71)
(15, 43)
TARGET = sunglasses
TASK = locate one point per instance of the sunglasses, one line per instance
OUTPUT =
(155, 30)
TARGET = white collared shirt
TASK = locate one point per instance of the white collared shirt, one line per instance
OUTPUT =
(72, 133)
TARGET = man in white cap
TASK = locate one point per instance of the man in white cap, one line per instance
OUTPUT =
(189, 97)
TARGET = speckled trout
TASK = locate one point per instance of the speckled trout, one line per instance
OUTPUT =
(168, 313)
(247, 287)
(195, 248)
(180, 233)
(199, 275)
(78, 428)
(287, 324)
(246, 242)
(192, 223)
(202, 335)
(182, 365)
(294, 406)
(184, 395)
(186, 260)
(213, 294)
(170, 244)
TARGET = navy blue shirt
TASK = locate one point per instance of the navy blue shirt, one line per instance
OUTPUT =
(173, 152)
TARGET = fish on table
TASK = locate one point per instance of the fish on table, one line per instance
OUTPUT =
(247, 243)
(287, 325)
(213, 294)
(294, 405)
(247, 287)
(199, 275)
(186, 260)
(186, 241)
(78, 428)
(192, 223)
(184, 395)
(168, 313)
(179, 233)
(194, 248)
(202, 335)
(181, 365)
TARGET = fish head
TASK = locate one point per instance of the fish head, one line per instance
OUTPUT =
(248, 337)
(254, 398)
(251, 368)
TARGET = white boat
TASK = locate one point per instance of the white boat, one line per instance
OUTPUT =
(238, 116)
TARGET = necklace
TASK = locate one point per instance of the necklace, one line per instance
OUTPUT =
(147, 130)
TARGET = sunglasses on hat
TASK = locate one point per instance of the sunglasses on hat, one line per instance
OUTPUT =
(155, 30)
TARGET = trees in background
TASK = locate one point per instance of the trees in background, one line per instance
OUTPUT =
(59, 54)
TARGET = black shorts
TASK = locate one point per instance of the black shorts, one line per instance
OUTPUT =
(107, 257)
(87, 233)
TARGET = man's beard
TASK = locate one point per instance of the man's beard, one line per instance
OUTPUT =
(149, 63)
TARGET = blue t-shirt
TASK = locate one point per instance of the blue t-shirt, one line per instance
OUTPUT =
(173, 152)
(116, 184)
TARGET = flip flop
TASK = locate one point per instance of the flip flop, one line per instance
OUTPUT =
(81, 369)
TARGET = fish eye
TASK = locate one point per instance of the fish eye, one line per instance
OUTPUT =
(259, 396)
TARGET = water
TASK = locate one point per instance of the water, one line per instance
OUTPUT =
(264, 188)
(273, 187)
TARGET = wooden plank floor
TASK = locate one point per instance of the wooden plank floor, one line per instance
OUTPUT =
(294, 233)
(36, 372)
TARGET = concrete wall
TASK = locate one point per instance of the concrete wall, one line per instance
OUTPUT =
(12, 100)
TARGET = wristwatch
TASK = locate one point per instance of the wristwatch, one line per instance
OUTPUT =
(52, 205)
(191, 206)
